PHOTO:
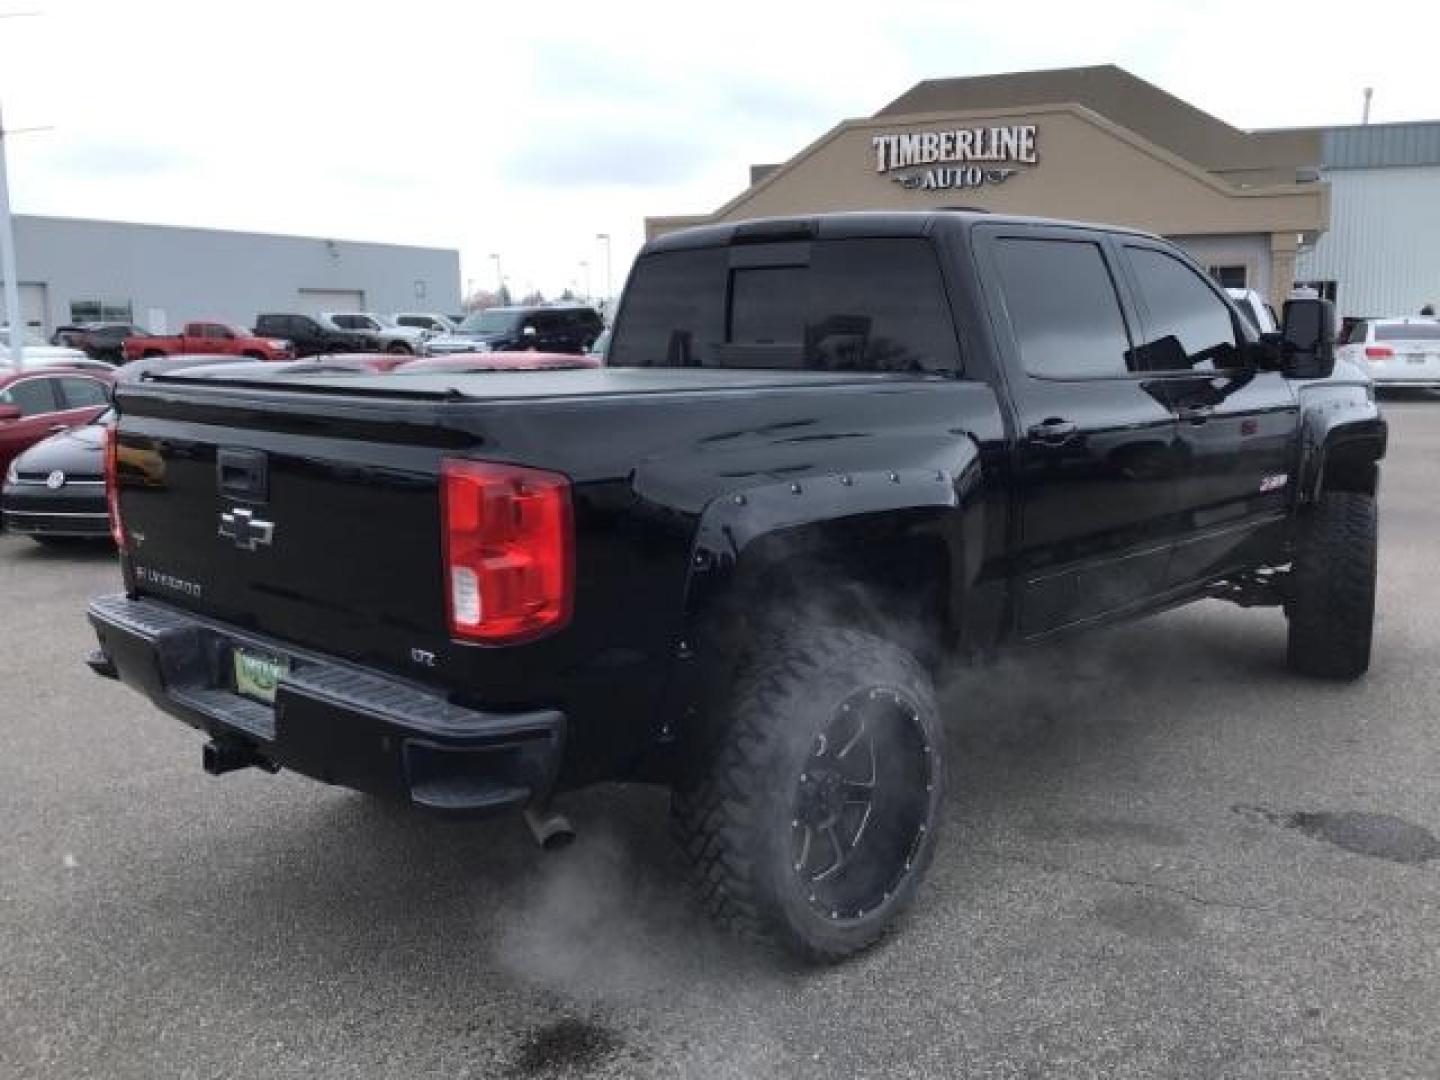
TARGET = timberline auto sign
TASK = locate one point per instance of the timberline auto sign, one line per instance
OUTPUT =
(979, 155)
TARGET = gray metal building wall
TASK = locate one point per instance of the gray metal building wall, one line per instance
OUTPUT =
(232, 276)
(1383, 245)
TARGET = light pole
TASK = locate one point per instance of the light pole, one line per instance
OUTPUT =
(585, 266)
(7, 242)
(499, 277)
(604, 237)
(7, 263)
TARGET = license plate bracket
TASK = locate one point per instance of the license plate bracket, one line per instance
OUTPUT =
(257, 673)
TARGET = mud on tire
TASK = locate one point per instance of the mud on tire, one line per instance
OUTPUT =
(1332, 595)
(809, 813)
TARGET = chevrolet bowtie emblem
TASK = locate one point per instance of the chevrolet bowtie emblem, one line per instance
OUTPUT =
(248, 531)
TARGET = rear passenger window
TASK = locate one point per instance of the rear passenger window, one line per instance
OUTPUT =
(1187, 326)
(84, 393)
(828, 305)
(1063, 308)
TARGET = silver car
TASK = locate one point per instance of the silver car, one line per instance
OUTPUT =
(1396, 352)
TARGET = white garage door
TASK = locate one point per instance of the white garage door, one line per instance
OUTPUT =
(32, 303)
(314, 301)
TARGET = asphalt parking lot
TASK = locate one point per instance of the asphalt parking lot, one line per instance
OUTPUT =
(1164, 856)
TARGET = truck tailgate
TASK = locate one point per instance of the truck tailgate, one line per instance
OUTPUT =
(325, 533)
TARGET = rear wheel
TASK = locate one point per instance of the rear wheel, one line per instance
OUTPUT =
(1332, 596)
(399, 347)
(810, 817)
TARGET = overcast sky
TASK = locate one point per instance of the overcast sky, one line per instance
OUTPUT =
(526, 129)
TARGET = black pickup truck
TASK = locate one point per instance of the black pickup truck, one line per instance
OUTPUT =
(829, 456)
(312, 338)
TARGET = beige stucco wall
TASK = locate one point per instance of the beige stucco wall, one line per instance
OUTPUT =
(1088, 169)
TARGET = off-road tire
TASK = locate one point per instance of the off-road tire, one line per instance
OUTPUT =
(732, 809)
(1331, 604)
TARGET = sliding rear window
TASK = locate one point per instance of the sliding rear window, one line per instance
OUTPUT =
(826, 305)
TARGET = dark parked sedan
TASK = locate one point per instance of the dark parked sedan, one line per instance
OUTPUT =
(56, 490)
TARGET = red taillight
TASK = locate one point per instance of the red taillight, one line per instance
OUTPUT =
(112, 492)
(509, 551)
(1378, 352)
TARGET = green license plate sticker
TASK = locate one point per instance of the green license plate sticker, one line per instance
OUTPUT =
(257, 675)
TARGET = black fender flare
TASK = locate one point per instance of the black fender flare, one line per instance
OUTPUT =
(1340, 447)
(865, 514)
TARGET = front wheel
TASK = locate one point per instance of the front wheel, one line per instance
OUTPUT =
(1331, 605)
(810, 815)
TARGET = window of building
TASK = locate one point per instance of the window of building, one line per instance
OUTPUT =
(1230, 277)
(1188, 327)
(1063, 308)
(83, 311)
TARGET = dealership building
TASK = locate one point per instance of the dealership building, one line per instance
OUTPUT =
(1353, 212)
(159, 276)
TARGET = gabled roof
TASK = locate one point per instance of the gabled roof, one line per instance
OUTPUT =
(1127, 100)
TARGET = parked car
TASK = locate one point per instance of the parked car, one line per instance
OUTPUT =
(48, 356)
(210, 338)
(732, 561)
(510, 329)
(1396, 352)
(1255, 308)
(35, 404)
(488, 361)
(391, 336)
(99, 340)
(431, 321)
(56, 489)
(309, 337)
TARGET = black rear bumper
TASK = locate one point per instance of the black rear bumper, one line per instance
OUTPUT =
(332, 720)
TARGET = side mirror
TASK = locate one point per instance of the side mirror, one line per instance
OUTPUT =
(1307, 339)
(10, 412)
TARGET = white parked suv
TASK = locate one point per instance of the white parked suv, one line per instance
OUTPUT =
(392, 337)
(1395, 352)
(1255, 308)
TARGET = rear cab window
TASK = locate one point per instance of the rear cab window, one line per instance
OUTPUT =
(822, 305)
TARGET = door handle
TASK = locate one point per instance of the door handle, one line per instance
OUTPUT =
(1053, 431)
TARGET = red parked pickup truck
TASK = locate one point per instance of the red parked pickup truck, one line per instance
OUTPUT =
(209, 338)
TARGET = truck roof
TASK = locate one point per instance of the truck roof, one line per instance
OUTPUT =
(860, 223)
